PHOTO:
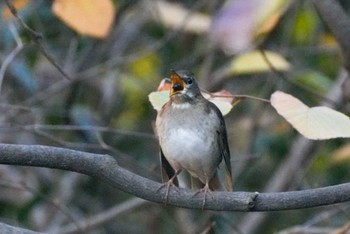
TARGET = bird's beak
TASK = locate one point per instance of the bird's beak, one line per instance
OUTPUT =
(177, 84)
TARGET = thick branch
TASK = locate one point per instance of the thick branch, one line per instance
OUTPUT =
(107, 169)
(5, 228)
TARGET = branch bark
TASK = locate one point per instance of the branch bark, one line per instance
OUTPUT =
(107, 169)
(5, 228)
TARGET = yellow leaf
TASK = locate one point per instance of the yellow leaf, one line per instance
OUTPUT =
(224, 107)
(18, 4)
(254, 62)
(328, 40)
(158, 99)
(342, 154)
(146, 67)
(176, 16)
(222, 99)
(89, 17)
(270, 15)
(316, 123)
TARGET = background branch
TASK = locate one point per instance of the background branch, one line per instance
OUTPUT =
(302, 154)
(36, 38)
(102, 218)
(338, 22)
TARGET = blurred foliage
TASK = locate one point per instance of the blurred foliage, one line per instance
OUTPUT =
(305, 28)
(112, 78)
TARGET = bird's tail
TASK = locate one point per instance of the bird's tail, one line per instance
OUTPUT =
(229, 181)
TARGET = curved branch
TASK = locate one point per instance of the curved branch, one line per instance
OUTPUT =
(107, 169)
(5, 228)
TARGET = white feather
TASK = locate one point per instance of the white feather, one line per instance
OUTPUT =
(181, 106)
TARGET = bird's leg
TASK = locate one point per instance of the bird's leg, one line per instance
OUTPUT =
(206, 190)
(169, 184)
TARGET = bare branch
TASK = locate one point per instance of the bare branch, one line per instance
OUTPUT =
(5, 228)
(12, 55)
(338, 22)
(107, 169)
(103, 217)
(36, 38)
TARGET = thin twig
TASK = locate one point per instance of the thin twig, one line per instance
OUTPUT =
(169, 36)
(285, 78)
(104, 217)
(90, 128)
(249, 97)
(12, 55)
(338, 21)
(36, 38)
(24, 187)
(235, 96)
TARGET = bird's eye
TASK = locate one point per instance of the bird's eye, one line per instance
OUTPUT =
(190, 81)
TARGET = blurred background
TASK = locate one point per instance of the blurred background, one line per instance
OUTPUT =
(115, 54)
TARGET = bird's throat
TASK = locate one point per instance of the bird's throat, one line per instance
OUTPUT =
(181, 105)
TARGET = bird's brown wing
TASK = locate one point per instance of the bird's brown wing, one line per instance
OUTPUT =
(225, 152)
(169, 170)
(224, 149)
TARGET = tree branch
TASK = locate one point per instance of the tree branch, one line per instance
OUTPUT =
(36, 38)
(107, 169)
(338, 22)
(5, 228)
(102, 218)
(301, 154)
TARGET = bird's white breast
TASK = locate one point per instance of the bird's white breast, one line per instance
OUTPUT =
(186, 143)
(188, 138)
(186, 149)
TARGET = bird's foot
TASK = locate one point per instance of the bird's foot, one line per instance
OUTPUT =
(168, 184)
(204, 190)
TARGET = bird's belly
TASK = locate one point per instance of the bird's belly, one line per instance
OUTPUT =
(194, 152)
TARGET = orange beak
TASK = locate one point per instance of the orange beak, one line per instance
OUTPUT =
(177, 84)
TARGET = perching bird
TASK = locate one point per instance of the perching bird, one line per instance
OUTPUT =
(192, 136)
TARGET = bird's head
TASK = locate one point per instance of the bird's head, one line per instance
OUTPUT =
(183, 85)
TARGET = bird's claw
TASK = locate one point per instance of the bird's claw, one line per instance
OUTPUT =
(206, 190)
(167, 185)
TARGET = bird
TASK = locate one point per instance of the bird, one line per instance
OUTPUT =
(192, 137)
